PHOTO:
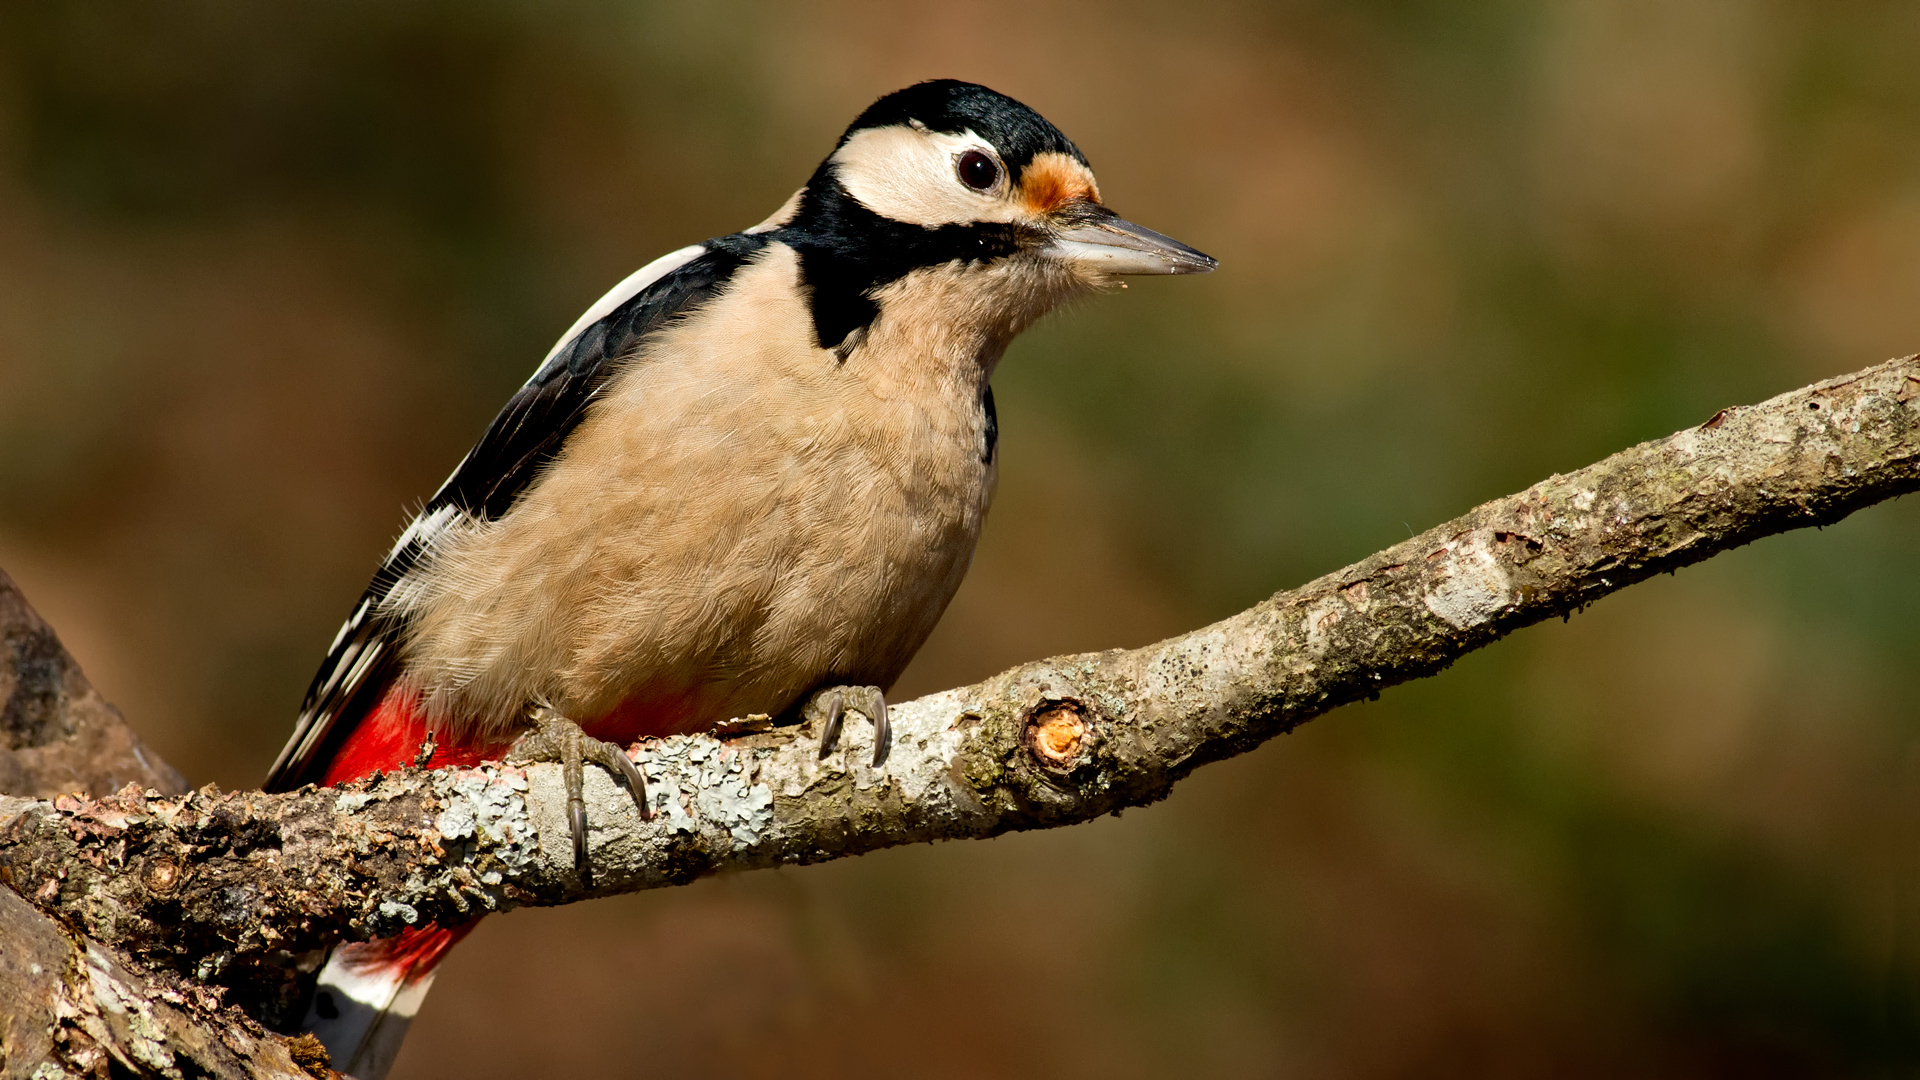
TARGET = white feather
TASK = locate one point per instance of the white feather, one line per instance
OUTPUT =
(623, 292)
(424, 530)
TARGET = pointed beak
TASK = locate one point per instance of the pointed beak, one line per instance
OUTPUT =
(1097, 239)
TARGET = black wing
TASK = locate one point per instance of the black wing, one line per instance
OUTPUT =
(528, 433)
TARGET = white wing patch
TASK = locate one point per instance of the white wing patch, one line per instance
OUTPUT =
(368, 644)
(623, 292)
(347, 627)
(352, 667)
(424, 530)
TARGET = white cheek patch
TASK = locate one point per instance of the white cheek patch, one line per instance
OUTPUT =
(908, 175)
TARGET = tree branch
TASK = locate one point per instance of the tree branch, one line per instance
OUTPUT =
(57, 734)
(71, 1005)
(242, 888)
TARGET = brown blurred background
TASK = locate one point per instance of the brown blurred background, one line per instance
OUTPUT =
(267, 269)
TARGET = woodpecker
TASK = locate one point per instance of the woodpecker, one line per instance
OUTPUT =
(747, 480)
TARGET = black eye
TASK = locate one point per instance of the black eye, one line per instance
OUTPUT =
(978, 171)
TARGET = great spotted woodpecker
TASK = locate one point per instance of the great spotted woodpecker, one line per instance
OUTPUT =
(747, 480)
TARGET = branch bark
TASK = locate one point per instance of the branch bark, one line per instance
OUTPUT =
(241, 889)
(57, 734)
(71, 1005)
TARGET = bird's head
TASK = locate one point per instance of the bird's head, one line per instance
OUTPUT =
(976, 192)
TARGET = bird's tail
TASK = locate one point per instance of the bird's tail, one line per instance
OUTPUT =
(368, 994)
(369, 991)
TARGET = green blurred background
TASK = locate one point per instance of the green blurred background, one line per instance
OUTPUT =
(267, 269)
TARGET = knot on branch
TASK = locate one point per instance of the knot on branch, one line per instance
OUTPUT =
(1061, 742)
(1058, 732)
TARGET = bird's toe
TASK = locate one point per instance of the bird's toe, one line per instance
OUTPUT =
(558, 740)
(828, 707)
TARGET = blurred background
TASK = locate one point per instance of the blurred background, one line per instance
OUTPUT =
(266, 270)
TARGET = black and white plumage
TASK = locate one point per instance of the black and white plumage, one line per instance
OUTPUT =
(364, 657)
(751, 475)
(946, 220)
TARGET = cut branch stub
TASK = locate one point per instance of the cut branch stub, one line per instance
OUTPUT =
(1058, 734)
(1061, 759)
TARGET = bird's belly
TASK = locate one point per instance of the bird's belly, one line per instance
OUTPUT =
(838, 581)
(679, 575)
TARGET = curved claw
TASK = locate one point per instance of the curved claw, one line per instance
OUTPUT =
(836, 710)
(882, 730)
(636, 780)
(829, 707)
(577, 822)
(557, 739)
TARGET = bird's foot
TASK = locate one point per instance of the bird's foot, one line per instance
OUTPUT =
(828, 706)
(559, 740)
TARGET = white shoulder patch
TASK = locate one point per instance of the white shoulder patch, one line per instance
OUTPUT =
(625, 291)
(781, 216)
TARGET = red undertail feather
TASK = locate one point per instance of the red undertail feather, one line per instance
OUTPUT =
(411, 953)
(391, 735)
(390, 738)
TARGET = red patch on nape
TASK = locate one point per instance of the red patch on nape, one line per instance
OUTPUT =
(1051, 180)
(390, 737)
